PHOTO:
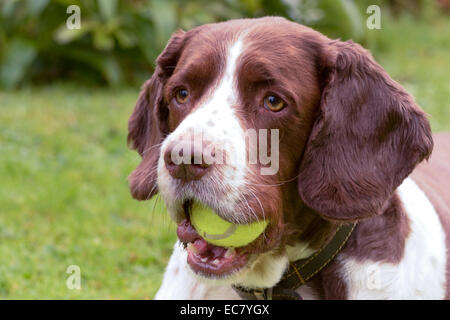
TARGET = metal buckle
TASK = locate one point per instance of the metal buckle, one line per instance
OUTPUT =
(263, 294)
(259, 294)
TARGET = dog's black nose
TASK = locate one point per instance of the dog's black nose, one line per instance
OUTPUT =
(186, 160)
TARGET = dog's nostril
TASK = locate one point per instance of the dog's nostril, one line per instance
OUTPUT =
(200, 166)
(189, 164)
(168, 157)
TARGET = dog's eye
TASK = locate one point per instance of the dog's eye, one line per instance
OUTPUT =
(273, 103)
(182, 95)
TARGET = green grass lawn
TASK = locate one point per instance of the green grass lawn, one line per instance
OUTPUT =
(417, 55)
(64, 196)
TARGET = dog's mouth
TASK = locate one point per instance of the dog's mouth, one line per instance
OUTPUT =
(206, 259)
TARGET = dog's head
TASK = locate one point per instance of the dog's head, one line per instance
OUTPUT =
(268, 119)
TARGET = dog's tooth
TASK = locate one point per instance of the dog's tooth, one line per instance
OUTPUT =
(216, 262)
(230, 252)
(203, 259)
(192, 248)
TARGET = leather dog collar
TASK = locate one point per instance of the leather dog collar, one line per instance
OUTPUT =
(300, 271)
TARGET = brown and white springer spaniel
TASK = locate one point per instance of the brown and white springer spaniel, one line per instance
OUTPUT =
(349, 139)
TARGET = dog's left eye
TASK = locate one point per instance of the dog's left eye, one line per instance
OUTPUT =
(273, 103)
(182, 95)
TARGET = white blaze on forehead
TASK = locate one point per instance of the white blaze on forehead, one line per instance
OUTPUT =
(217, 110)
(227, 88)
(219, 122)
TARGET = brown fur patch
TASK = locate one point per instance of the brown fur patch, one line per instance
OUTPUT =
(433, 177)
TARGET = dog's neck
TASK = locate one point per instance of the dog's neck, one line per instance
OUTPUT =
(307, 226)
(307, 233)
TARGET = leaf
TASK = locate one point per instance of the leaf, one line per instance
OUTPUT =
(163, 15)
(35, 7)
(107, 66)
(342, 18)
(355, 17)
(278, 8)
(103, 40)
(108, 8)
(125, 38)
(146, 43)
(112, 71)
(64, 35)
(18, 56)
(7, 8)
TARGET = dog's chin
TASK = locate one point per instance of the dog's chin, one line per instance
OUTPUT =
(223, 272)
(221, 265)
(211, 261)
(262, 270)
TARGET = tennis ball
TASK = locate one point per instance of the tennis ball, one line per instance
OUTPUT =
(220, 232)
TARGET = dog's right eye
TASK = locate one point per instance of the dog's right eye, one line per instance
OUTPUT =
(273, 103)
(182, 95)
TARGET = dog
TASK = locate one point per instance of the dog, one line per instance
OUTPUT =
(349, 138)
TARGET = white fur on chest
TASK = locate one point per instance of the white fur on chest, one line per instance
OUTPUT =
(421, 272)
(179, 283)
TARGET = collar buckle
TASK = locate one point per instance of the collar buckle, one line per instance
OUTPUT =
(263, 294)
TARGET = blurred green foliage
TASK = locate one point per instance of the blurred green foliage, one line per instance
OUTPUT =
(119, 39)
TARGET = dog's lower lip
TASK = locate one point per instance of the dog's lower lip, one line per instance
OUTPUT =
(206, 259)
(212, 261)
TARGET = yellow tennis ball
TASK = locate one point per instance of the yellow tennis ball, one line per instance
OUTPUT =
(220, 232)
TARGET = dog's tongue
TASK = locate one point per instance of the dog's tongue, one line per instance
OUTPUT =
(186, 232)
(206, 258)
(203, 248)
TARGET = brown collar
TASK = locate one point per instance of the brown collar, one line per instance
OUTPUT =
(300, 271)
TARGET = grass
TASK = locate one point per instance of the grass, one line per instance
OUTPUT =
(64, 197)
(416, 54)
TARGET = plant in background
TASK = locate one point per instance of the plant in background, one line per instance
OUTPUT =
(119, 40)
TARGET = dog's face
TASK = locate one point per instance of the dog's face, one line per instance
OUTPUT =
(268, 119)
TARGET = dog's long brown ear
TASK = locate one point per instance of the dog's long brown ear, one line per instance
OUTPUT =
(146, 125)
(368, 137)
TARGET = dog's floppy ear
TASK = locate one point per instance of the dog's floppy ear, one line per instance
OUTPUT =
(146, 128)
(368, 137)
